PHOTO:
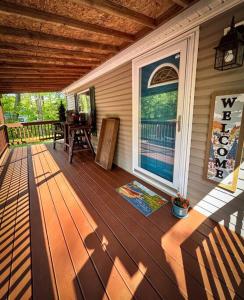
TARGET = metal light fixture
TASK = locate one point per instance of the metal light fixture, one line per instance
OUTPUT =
(230, 51)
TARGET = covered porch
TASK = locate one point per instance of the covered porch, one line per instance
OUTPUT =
(66, 233)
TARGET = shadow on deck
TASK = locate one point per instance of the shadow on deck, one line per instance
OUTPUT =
(66, 233)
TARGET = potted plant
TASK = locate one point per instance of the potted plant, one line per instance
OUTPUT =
(180, 206)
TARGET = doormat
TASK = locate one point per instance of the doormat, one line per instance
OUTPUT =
(143, 199)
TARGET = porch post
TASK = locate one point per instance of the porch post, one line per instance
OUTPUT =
(2, 121)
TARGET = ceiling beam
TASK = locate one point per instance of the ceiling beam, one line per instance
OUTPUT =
(30, 89)
(54, 51)
(22, 76)
(42, 66)
(119, 10)
(26, 86)
(26, 89)
(16, 67)
(43, 90)
(33, 79)
(55, 39)
(47, 60)
(174, 10)
(32, 83)
(35, 14)
(37, 80)
(42, 79)
(32, 71)
(181, 3)
(23, 85)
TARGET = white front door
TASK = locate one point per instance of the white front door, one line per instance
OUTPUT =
(158, 107)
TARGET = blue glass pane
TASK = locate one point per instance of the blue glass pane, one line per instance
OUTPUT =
(157, 127)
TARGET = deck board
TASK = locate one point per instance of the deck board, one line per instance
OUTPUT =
(21, 256)
(15, 244)
(67, 285)
(43, 282)
(67, 234)
(73, 240)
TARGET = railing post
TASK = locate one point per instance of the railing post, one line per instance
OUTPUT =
(6, 134)
(4, 143)
(2, 121)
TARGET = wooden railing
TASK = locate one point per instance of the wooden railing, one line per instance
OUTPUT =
(162, 133)
(3, 139)
(156, 132)
(29, 132)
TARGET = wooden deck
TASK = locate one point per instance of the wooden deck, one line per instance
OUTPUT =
(66, 233)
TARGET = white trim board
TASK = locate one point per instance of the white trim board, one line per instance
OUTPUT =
(83, 91)
(192, 17)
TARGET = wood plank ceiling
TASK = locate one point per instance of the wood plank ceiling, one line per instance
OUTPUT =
(47, 44)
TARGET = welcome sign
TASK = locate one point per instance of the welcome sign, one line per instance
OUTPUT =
(225, 139)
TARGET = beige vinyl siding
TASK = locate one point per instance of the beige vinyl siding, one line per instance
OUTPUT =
(70, 102)
(113, 93)
(221, 205)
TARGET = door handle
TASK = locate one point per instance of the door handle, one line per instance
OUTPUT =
(179, 123)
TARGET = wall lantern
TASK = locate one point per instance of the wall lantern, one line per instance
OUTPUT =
(230, 51)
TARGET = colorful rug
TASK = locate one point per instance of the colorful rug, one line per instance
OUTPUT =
(143, 199)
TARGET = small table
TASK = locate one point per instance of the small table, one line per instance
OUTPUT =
(77, 137)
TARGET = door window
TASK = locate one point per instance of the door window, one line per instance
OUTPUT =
(158, 116)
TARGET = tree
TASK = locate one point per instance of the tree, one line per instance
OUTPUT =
(16, 106)
(39, 103)
(29, 108)
(61, 112)
(159, 107)
(8, 102)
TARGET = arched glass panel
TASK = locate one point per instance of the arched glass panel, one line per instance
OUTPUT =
(164, 74)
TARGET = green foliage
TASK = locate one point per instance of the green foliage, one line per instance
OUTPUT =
(84, 103)
(8, 105)
(160, 107)
(28, 108)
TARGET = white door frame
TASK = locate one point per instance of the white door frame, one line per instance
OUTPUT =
(188, 46)
(163, 53)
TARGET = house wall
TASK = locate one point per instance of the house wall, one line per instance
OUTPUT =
(221, 205)
(70, 102)
(114, 98)
(113, 92)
